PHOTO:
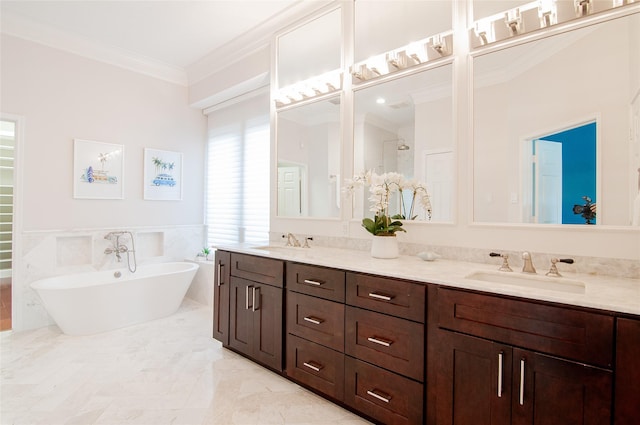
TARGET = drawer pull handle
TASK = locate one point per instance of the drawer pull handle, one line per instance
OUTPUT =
(521, 398)
(313, 320)
(313, 366)
(385, 342)
(500, 361)
(382, 397)
(380, 296)
(313, 282)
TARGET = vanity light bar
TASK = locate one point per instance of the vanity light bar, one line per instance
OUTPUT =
(534, 16)
(307, 89)
(416, 53)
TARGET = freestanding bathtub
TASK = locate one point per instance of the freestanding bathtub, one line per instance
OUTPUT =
(88, 303)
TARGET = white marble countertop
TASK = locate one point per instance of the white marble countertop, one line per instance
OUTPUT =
(600, 292)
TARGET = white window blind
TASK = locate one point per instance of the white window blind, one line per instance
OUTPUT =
(238, 172)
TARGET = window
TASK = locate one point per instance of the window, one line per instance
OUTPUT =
(237, 203)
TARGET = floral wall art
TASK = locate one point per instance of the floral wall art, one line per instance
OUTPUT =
(98, 170)
(162, 175)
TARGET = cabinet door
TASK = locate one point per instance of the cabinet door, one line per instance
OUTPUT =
(550, 391)
(240, 315)
(221, 292)
(266, 306)
(627, 395)
(473, 381)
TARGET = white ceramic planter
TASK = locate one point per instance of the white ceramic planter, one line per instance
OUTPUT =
(384, 247)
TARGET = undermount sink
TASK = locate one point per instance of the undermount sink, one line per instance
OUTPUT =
(529, 281)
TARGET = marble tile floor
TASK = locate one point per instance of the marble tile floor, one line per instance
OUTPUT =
(168, 371)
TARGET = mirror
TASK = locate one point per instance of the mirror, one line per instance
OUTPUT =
(308, 150)
(405, 125)
(310, 50)
(381, 26)
(556, 128)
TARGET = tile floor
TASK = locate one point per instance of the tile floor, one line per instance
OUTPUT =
(169, 371)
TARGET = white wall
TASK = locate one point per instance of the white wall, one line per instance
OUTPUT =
(63, 97)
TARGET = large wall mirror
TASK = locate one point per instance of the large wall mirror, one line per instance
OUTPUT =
(308, 149)
(311, 49)
(384, 25)
(555, 125)
(405, 125)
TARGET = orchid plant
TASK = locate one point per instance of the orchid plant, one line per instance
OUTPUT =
(381, 189)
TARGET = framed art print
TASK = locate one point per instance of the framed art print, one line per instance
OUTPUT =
(162, 175)
(98, 170)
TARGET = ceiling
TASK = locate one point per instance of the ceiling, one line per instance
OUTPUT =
(175, 35)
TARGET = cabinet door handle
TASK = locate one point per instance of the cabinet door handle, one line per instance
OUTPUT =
(255, 305)
(220, 266)
(313, 320)
(380, 296)
(313, 366)
(313, 282)
(379, 395)
(376, 340)
(500, 362)
(521, 397)
(246, 299)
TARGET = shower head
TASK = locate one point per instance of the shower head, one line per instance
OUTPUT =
(403, 146)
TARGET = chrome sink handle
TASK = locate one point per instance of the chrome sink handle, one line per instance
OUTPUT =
(553, 271)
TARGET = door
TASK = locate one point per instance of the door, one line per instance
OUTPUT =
(473, 381)
(550, 391)
(439, 168)
(289, 192)
(221, 292)
(267, 315)
(548, 181)
(240, 315)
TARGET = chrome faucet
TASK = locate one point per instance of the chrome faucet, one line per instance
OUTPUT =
(527, 267)
(291, 240)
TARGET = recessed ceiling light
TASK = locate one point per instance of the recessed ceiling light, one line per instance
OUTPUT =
(380, 101)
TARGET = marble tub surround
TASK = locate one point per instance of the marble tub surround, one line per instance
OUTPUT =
(613, 267)
(201, 289)
(169, 371)
(54, 253)
(601, 292)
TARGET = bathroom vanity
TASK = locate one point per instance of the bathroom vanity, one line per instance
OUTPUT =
(409, 342)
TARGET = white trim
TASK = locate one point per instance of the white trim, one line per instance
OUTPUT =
(16, 259)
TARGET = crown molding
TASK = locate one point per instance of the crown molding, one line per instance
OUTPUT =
(46, 35)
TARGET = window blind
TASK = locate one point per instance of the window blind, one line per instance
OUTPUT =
(237, 204)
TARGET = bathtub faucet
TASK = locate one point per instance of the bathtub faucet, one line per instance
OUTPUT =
(120, 248)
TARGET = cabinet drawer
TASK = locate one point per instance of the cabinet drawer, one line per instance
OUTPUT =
(258, 269)
(390, 342)
(318, 367)
(317, 281)
(315, 319)
(390, 296)
(382, 395)
(578, 335)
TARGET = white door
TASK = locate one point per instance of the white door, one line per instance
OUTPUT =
(439, 178)
(548, 182)
(289, 199)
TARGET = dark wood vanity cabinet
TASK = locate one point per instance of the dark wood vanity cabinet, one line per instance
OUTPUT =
(384, 346)
(402, 352)
(221, 292)
(505, 361)
(315, 328)
(255, 308)
(627, 387)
